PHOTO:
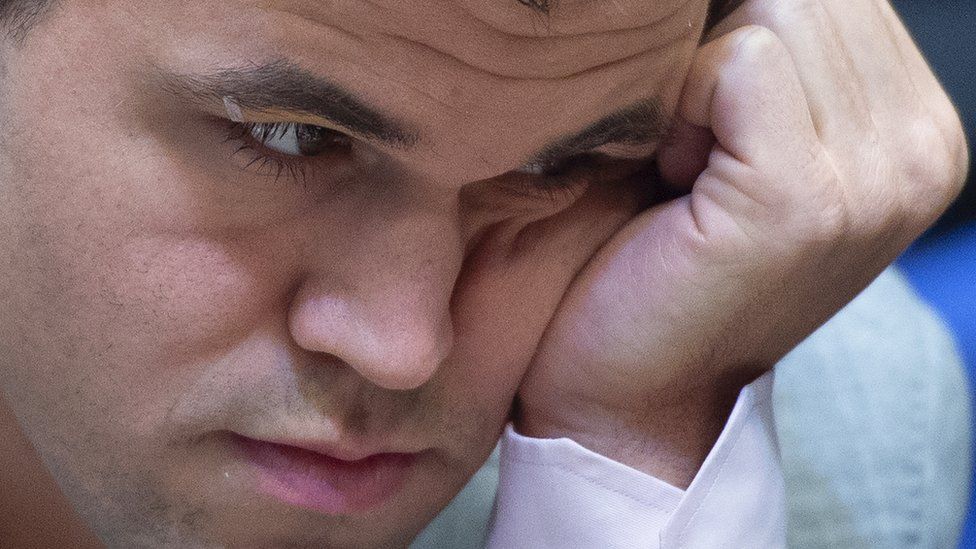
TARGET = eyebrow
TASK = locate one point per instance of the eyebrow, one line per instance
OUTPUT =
(282, 86)
(642, 123)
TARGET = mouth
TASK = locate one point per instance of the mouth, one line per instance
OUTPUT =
(327, 481)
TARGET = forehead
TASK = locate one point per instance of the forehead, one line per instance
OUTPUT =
(471, 75)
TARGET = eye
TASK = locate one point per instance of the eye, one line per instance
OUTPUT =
(556, 167)
(289, 148)
(291, 139)
(559, 181)
(567, 178)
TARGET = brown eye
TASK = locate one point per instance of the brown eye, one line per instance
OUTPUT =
(315, 140)
(292, 139)
(555, 167)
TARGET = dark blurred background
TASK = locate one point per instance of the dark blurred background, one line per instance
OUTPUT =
(942, 264)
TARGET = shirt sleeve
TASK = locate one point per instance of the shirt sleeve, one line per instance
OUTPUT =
(556, 493)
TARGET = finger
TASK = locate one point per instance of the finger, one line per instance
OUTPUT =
(876, 60)
(918, 68)
(930, 90)
(916, 122)
(837, 101)
(899, 78)
(898, 109)
(745, 89)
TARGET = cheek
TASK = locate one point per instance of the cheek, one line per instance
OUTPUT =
(113, 298)
(508, 291)
(110, 320)
(115, 278)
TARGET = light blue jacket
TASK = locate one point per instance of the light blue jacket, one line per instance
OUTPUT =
(873, 417)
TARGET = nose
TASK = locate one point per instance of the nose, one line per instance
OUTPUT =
(381, 302)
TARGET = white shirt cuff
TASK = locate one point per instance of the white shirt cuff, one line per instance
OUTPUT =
(556, 493)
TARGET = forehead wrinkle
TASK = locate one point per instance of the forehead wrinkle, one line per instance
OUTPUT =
(390, 65)
(577, 17)
(475, 43)
(566, 18)
(557, 103)
(499, 70)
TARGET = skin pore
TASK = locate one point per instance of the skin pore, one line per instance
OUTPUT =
(166, 284)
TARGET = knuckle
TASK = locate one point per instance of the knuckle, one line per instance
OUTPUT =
(787, 12)
(959, 155)
(963, 165)
(833, 221)
(758, 43)
(933, 165)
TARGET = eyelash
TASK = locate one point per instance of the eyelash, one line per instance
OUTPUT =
(298, 169)
(558, 183)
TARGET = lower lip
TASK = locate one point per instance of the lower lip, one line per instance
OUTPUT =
(325, 484)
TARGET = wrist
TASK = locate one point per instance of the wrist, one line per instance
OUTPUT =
(668, 439)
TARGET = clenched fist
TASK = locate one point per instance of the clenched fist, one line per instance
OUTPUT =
(813, 144)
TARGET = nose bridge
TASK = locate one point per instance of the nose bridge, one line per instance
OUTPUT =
(408, 295)
(384, 308)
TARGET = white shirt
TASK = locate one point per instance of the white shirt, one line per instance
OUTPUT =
(556, 493)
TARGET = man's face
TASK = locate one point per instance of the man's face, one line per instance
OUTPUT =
(185, 298)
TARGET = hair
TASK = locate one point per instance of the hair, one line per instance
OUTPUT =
(17, 17)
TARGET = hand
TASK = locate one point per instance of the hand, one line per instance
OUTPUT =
(814, 144)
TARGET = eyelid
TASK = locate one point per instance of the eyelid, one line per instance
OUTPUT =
(642, 152)
(299, 169)
(629, 151)
(279, 116)
(532, 167)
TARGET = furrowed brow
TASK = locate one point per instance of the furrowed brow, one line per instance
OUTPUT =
(282, 86)
(642, 123)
